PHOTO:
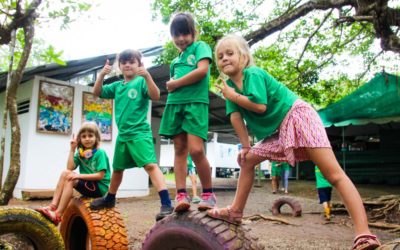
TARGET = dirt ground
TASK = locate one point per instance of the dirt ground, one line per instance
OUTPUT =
(309, 231)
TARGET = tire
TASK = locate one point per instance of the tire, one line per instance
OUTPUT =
(194, 230)
(392, 245)
(31, 225)
(83, 228)
(293, 204)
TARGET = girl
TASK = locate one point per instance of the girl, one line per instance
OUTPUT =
(288, 129)
(94, 172)
(185, 118)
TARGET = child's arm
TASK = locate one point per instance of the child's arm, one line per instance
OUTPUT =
(241, 100)
(154, 91)
(241, 131)
(98, 85)
(70, 161)
(196, 75)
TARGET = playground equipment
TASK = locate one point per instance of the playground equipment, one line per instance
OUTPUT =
(83, 228)
(293, 204)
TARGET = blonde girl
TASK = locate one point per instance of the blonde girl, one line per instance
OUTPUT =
(288, 129)
(94, 172)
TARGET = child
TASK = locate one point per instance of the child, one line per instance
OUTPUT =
(185, 118)
(94, 172)
(275, 176)
(193, 178)
(134, 145)
(288, 129)
(285, 176)
(324, 189)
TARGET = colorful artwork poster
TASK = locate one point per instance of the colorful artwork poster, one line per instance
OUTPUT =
(55, 108)
(98, 110)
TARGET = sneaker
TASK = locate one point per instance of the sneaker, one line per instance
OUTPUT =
(164, 211)
(182, 203)
(196, 199)
(208, 201)
(101, 203)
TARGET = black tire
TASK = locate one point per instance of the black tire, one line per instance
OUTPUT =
(83, 228)
(195, 230)
(293, 204)
(42, 233)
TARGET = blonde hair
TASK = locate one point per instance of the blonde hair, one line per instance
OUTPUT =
(89, 127)
(242, 48)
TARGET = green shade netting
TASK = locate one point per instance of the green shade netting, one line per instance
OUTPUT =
(377, 101)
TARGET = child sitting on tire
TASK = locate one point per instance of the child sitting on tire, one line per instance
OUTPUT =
(94, 172)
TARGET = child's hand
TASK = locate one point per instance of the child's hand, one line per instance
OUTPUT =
(74, 142)
(242, 155)
(225, 90)
(106, 69)
(142, 71)
(171, 85)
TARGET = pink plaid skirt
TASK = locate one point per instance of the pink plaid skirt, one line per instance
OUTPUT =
(302, 128)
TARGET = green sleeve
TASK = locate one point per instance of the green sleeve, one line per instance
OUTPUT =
(76, 160)
(256, 88)
(203, 51)
(108, 91)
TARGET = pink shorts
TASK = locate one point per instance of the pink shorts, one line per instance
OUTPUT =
(302, 128)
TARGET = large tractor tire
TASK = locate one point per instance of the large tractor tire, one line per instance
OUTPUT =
(194, 230)
(83, 228)
(392, 245)
(293, 204)
(39, 232)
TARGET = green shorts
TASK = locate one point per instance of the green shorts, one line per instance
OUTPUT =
(276, 171)
(134, 153)
(191, 118)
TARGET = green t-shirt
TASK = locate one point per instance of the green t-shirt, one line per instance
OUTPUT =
(185, 63)
(190, 165)
(98, 162)
(131, 106)
(320, 179)
(262, 88)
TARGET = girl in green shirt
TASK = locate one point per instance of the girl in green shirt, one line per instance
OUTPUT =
(288, 129)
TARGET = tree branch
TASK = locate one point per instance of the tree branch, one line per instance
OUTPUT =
(283, 21)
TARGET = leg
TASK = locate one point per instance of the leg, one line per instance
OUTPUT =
(330, 168)
(286, 180)
(116, 179)
(59, 188)
(274, 184)
(108, 201)
(197, 152)
(66, 196)
(245, 181)
(193, 179)
(180, 162)
(156, 176)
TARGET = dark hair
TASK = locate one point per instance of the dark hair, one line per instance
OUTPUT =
(182, 24)
(129, 55)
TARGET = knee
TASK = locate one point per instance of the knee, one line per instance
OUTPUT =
(151, 168)
(196, 153)
(65, 173)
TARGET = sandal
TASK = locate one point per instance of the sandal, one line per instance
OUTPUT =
(366, 242)
(50, 214)
(226, 214)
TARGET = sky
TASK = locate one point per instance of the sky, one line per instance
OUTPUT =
(108, 28)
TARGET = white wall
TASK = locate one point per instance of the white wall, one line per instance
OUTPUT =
(43, 156)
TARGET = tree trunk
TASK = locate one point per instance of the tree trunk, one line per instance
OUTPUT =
(5, 111)
(16, 76)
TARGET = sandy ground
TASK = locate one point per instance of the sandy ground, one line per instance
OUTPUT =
(310, 231)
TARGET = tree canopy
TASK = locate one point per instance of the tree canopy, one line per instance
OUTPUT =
(321, 49)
